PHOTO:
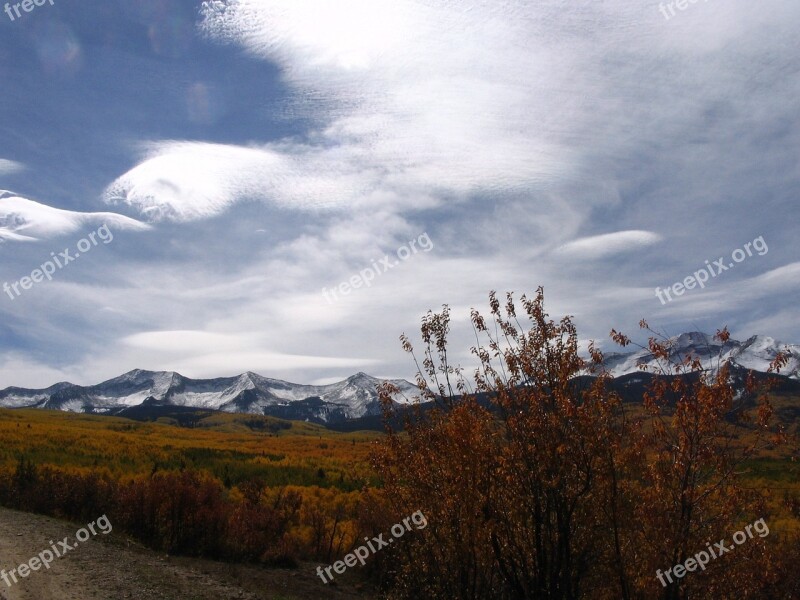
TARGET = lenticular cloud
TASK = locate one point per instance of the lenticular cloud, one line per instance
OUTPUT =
(24, 220)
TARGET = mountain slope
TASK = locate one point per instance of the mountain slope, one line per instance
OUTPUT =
(756, 354)
(249, 392)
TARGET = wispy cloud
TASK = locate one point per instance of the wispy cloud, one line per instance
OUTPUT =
(7, 167)
(601, 246)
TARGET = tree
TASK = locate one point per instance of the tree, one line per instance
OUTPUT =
(698, 439)
(538, 482)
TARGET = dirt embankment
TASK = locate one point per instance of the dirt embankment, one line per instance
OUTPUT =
(111, 567)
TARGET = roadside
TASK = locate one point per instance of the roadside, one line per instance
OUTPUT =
(112, 567)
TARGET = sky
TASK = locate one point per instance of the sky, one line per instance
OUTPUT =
(287, 186)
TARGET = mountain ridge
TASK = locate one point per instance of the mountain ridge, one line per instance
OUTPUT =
(755, 353)
(248, 392)
(351, 398)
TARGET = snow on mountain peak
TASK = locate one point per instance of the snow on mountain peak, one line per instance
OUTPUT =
(756, 353)
(349, 398)
(693, 338)
(249, 392)
(760, 350)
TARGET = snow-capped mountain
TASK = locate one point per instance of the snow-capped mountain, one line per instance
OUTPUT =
(351, 398)
(755, 354)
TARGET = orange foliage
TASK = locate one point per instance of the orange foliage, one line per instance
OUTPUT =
(537, 483)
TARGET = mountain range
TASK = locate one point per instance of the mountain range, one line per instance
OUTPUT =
(756, 354)
(249, 392)
(352, 398)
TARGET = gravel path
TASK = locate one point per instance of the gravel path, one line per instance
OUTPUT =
(110, 567)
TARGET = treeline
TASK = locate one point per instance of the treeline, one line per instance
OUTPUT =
(192, 513)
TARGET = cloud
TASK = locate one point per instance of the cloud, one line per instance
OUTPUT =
(24, 372)
(589, 147)
(23, 220)
(602, 246)
(412, 105)
(269, 362)
(182, 342)
(203, 353)
(9, 167)
(187, 181)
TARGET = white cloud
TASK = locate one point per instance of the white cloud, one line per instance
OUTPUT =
(218, 364)
(8, 167)
(210, 354)
(420, 104)
(186, 181)
(608, 244)
(26, 220)
(24, 372)
(183, 342)
(727, 293)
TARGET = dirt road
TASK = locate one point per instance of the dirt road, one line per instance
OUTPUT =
(110, 567)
